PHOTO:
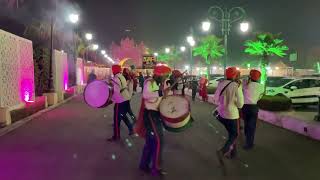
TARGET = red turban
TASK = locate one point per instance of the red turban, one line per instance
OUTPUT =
(255, 75)
(161, 70)
(232, 73)
(116, 69)
(176, 73)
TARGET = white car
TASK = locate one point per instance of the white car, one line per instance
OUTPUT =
(299, 90)
(213, 83)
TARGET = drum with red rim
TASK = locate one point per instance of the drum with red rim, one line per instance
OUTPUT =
(98, 94)
(175, 112)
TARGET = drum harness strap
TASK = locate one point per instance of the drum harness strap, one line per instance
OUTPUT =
(121, 86)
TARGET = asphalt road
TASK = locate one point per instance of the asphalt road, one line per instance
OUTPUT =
(68, 143)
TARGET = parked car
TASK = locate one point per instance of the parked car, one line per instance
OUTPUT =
(213, 83)
(299, 90)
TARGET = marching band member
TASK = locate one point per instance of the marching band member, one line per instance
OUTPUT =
(229, 98)
(149, 124)
(121, 98)
(130, 82)
(178, 88)
(252, 91)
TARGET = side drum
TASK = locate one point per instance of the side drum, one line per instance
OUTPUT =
(97, 94)
(175, 112)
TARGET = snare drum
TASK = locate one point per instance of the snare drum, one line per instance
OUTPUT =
(98, 94)
(175, 112)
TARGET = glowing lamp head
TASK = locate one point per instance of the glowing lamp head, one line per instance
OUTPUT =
(156, 54)
(244, 26)
(103, 52)
(206, 25)
(89, 36)
(74, 18)
(95, 47)
(183, 48)
(186, 67)
(167, 50)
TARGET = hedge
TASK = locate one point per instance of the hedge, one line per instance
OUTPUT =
(274, 103)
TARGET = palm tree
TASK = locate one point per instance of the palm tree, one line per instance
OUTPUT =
(264, 46)
(170, 58)
(210, 49)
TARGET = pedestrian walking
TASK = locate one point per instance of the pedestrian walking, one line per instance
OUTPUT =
(141, 81)
(177, 77)
(203, 88)
(194, 87)
(130, 83)
(149, 124)
(91, 77)
(121, 99)
(252, 91)
(229, 98)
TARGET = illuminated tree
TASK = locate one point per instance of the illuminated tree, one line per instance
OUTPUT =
(171, 58)
(264, 46)
(210, 49)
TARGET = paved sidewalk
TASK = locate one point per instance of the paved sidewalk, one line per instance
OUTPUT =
(299, 122)
(68, 143)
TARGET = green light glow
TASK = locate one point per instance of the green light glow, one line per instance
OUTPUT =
(318, 67)
(266, 45)
(248, 65)
(209, 48)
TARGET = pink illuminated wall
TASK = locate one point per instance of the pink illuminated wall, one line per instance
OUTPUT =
(26, 71)
(80, 71)
(60, 71)
(16, 70)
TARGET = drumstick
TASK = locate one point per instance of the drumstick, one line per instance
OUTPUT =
(175, 82)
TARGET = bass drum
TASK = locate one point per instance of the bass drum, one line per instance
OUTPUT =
(97, 94)
(175, 112)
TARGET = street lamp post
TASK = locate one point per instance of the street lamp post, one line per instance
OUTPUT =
(74, 18)
(226, 17)
(191, 42)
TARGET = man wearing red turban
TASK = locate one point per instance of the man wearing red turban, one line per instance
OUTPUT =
(252, 91)
(229, 98)
(149, 124)
(121, 99)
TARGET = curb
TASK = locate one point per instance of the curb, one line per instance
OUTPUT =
(309, 129)
(21, 122)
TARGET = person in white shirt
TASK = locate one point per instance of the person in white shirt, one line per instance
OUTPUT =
(229, 98)
(121, 99)
(150, 123)
(252, 91)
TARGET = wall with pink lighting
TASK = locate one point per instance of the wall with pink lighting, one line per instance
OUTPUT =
(101, 72)
(80, 71)
(60, 71)
(16, 70)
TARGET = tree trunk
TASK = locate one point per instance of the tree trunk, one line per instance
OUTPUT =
(264, 73)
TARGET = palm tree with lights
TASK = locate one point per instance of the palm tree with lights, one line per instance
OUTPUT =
(210, 48)
(266, 45)
(170, 56)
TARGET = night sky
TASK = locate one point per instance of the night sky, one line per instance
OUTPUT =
(167, 22)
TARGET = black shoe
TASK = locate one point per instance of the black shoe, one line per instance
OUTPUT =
(113, 139)
(158, 173)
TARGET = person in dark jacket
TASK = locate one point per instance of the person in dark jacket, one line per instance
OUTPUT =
(91, 77)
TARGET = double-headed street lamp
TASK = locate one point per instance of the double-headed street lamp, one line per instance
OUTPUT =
(226, 17)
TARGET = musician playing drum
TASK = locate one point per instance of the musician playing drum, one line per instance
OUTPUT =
(152, 128)
(121, 99)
